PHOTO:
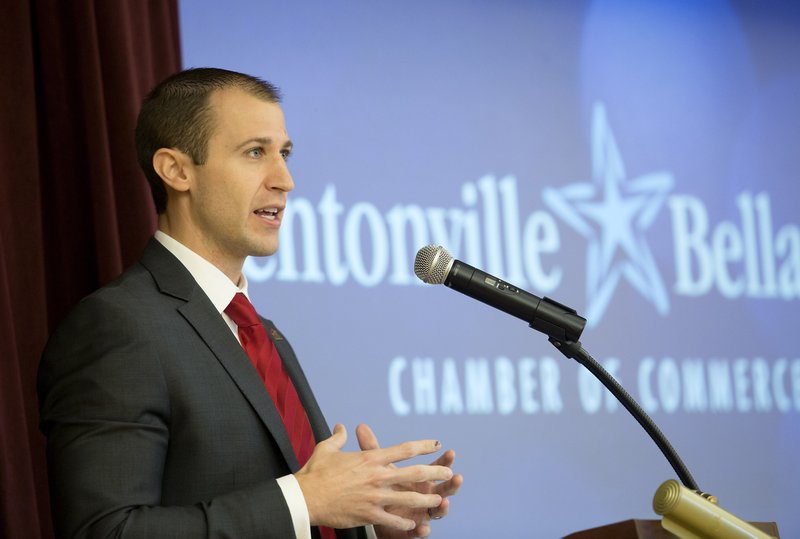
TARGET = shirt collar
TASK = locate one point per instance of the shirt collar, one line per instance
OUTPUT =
(216, 285)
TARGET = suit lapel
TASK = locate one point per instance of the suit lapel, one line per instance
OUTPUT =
(295, 372)
(175, 280)
(217, 335)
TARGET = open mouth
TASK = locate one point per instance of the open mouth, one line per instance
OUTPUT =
(267, 213)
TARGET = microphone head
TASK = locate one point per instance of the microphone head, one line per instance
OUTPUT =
(432, 264)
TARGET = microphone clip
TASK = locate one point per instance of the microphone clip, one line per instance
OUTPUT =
(558, 321)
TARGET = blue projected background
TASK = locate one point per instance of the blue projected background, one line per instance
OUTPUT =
(634, 160)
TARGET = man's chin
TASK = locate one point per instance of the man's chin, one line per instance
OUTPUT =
(264, 249)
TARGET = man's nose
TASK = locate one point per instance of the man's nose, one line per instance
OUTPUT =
(280, 178)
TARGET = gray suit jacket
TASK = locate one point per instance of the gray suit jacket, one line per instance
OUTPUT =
(157, 424)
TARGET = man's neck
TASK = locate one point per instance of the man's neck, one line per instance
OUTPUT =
(233, 270)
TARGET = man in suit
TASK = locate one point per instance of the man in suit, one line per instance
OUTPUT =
(158, 424)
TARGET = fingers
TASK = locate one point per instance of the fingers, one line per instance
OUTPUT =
(419, 473)
(407, 450)
(366, 438)
(344, 489)
(411, 500)
(391, 520)
(337, 440)
(367, 441)
(423, 530)
(445, 459)
(449, 488)
(441, 511)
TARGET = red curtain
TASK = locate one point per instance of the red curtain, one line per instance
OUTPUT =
(75, 207)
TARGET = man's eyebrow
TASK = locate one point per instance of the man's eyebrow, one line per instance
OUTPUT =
(260, 140)
(264, 141)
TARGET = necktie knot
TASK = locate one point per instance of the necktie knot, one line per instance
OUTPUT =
(242, 311)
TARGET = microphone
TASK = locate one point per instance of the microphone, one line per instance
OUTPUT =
(434, 265)
(688, 514)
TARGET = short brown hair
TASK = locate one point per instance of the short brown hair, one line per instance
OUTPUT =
(176, 114)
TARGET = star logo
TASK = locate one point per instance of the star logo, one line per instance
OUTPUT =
(613, 212)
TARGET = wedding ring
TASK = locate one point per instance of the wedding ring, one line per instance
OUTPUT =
(430, 514)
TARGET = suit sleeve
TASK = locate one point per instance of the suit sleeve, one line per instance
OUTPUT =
(105, 410)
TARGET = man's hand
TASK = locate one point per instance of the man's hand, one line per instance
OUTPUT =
(343, 490)
(421, 516)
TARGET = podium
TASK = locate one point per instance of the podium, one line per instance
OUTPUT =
(647, 529)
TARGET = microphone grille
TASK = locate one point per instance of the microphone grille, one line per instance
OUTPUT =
(432, 264)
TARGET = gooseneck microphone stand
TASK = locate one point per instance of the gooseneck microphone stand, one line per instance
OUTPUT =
(574, 350)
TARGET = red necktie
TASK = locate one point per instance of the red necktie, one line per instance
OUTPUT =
(261, 350)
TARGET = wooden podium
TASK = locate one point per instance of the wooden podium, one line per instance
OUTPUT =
(647, 529)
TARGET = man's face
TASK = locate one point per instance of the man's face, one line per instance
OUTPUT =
(239, 194)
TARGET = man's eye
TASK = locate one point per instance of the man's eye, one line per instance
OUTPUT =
(255, 153)
(285, 154)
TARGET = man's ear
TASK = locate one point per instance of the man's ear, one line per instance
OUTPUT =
(174, 167)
